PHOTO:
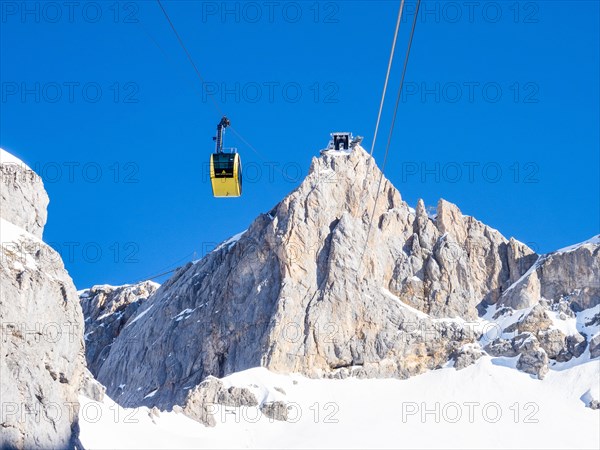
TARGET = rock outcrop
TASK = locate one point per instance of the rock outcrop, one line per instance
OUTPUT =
(276, 410)
(106, 310)
(571, 274)
(42, 361)
(549, 332)
(203, 401)
(91, 388)
(310, 287)
(533, 359)
(22, 195)
(595, 346)
(467, 356)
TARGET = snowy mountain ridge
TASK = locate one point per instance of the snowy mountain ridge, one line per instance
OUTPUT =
(289, 294)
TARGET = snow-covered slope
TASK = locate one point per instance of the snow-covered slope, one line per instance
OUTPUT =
(594, 240)
(486, 405)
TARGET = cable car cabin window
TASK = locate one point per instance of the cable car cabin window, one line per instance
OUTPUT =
(223, 164)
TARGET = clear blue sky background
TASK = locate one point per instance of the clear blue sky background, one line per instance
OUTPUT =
(541, 130)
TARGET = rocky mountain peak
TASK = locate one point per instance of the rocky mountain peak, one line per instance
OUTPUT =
(292, 294)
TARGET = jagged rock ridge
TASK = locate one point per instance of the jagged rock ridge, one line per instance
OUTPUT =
(292, 294)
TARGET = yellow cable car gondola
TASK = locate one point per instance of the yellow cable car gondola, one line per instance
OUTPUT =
(225, 168)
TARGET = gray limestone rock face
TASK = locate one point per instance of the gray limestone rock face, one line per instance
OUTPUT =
(571, 275)
(91, 388)
(315, 287)
(520, 259)
(42, 361)
(466, 357)
(553, 342)
(22, 195)
(297, 293)
(576, 345)
(236, 397)
(539, 333)
(201, 402)
(276, 410)
(537, 320)
(106, 310)
(502, 347)
(595, 346)
(533, 359)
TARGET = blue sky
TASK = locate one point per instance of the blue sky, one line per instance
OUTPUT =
(500, 115)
